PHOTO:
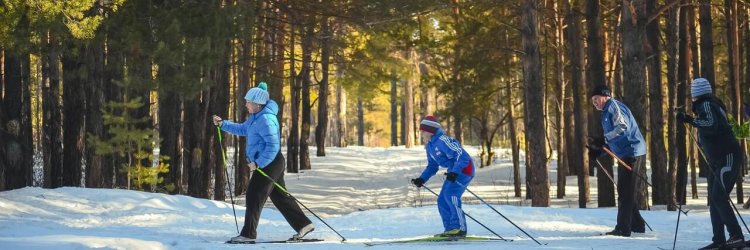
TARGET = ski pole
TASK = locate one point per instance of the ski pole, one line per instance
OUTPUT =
(705, 159)
(295, 199)
(613, 182)
(674, 242)
(229, 183)
(467, 215)
(498, 212)
(626, 165)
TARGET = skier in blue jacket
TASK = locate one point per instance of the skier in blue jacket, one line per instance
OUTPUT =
(623, 137)
(444, 151)
(724, 156)
(264, 152)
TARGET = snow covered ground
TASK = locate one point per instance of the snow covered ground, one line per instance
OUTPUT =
(362, 192)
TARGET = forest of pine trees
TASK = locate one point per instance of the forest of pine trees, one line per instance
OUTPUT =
(119, 93)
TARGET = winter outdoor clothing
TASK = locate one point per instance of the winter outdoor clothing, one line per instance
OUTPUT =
(444, 151)
(429, 124)
(699, 87)
(715, 135)
(601, 90)
(262, 132)
(258, 94)
(724, 157)
(628, 216)
(263, 149)
(417, 182)
(623, 137)
(260, 189)
(621, 132)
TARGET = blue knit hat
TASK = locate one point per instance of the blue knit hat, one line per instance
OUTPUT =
(258, 94)
(700, 87)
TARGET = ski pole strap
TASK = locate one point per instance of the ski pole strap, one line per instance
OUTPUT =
(617, 158)
(274, 182)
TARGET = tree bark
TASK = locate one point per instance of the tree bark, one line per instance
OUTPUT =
(575, 50)
(730, 8)
(73, 118)
(94, 123)
(52, 131)
(292, 151)
(307, 50)
(657, 150)
(672, 45)
(321, 129)
(534, 112)
(394, 112)
(360, 122)
(514, 145)
(633, 26)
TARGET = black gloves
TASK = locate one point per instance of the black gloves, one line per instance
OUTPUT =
(682, 117)
(593, 153)
(597, 142)
(595, 147)
(451, 176)
(417, 182)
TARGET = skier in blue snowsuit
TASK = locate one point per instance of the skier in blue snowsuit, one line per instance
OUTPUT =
(623, 137)
(444, 151)
(724, 156)
(264, 152)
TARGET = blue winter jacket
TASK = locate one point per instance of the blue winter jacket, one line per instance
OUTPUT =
(262, 132)
(444, 151)
(621, 132)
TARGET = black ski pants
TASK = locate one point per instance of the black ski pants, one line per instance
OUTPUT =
(260, 189)
(725, 171)
(628, 216)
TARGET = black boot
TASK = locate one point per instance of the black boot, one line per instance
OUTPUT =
(618, 232)
(737, 241)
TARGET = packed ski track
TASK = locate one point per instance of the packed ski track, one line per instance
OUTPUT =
(362, 192)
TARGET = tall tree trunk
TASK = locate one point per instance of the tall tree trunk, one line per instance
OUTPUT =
(17, 123)
(407, 129)
(730, 8)
(307, 50)
(514, 145)
(292, 151)
(340, 110)
(394, 112)
(220, 106)
(360, 121)
(534, 113)
(73, 118)
(52, 140)
(321, 130)
(94, 123)
(559, 79)
(683, 78)
(596, 76)
(657, 150)
(706, 43)
(672, 45)
(633, 69)
(575, 49)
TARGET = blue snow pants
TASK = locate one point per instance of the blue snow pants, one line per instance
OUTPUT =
(449, 202)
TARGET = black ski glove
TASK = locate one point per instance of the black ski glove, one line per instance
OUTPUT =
(597, 142)
(451, 176)
(594, 153)
(417, 182)
(682, 117)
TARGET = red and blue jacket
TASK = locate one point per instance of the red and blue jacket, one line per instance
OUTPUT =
(444, 151)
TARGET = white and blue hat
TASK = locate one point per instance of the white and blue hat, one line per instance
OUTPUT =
(700, 87)
(258, 94)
